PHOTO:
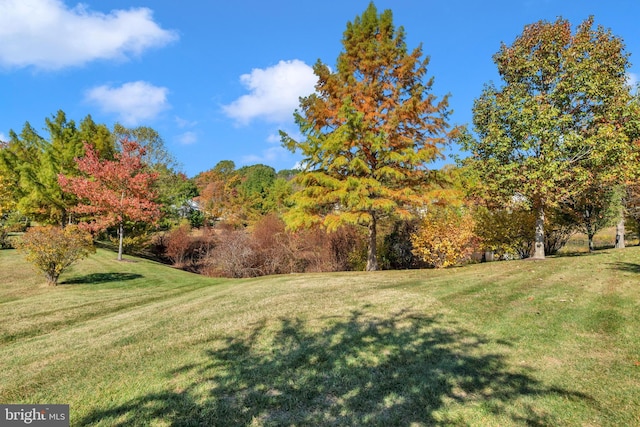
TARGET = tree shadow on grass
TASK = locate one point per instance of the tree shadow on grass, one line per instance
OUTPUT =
(629, 267)
(404, 369)
(573, 254)
(96, 278)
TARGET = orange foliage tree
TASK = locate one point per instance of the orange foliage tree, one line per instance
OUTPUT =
(217, 193)
(114, 191)
(369, 131)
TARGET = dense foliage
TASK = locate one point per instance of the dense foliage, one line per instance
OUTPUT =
(30, 164)
(446, 236)
(560, 121)
(113, 191)
(52, 249)
(370, 131)
(555, 151)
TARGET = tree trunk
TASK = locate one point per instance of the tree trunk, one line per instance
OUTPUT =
(120, 238)
(620, 232)
(52, 279)
(589, 228)
(538, 247)
(372, 257)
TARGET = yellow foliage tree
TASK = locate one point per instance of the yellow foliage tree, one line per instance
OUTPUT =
(445, 237)
(52, 249)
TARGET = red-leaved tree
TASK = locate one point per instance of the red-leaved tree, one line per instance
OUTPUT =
(114, 191)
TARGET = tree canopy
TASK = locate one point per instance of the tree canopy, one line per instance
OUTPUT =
(559, 121)
(31, 164)
(370, 130)
(114, 191)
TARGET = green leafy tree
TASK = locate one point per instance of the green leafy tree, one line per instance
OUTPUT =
(241, 197)
(174, 190)
(7, 201)
(20, 159)
(174, 193)
(629, 190)
(370, 130)
(155, 151)
(558, 120)
(53, 249)
(99, 137)
(277, 198)
(506, 233)
(31, 163)
(593, 209)
(255, 185)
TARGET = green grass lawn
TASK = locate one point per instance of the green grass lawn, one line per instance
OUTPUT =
(550, 342)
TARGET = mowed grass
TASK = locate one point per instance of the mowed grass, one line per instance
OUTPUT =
(508, 343)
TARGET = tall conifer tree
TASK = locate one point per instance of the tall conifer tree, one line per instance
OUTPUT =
(370, 130)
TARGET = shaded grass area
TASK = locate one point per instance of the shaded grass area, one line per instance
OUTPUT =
(96, 278)
(509, 343)
(398, 370)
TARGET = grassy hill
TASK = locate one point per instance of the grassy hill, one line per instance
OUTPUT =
(510, 343)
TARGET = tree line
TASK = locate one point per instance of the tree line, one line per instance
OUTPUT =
(553, 149)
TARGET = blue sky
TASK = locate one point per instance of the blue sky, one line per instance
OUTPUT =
(218, 79)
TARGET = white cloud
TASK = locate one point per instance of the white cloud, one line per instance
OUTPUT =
(132, 102)
(632, 80)
(184, 123)
(274, 138)
(3, 137)
(274, 153)
(274, 92)
(270, 155)
(47, 34)
(187, 138)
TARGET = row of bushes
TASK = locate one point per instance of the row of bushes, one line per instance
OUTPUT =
(269, 248)
(443, 238)
(266, 248)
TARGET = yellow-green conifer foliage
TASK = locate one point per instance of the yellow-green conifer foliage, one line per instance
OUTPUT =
(369, 132)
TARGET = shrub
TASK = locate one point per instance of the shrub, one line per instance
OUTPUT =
(272, 246)
(312, 251)
(15, 222)
(396, 252)
(5, 241)
(187, 248)
(265, 249)
(445, 236)
(508, 233)
(178, 242)
(315, 250)
(233, 255)
(52, 249)
(348, 249)
(268, 248)
(558, 229)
